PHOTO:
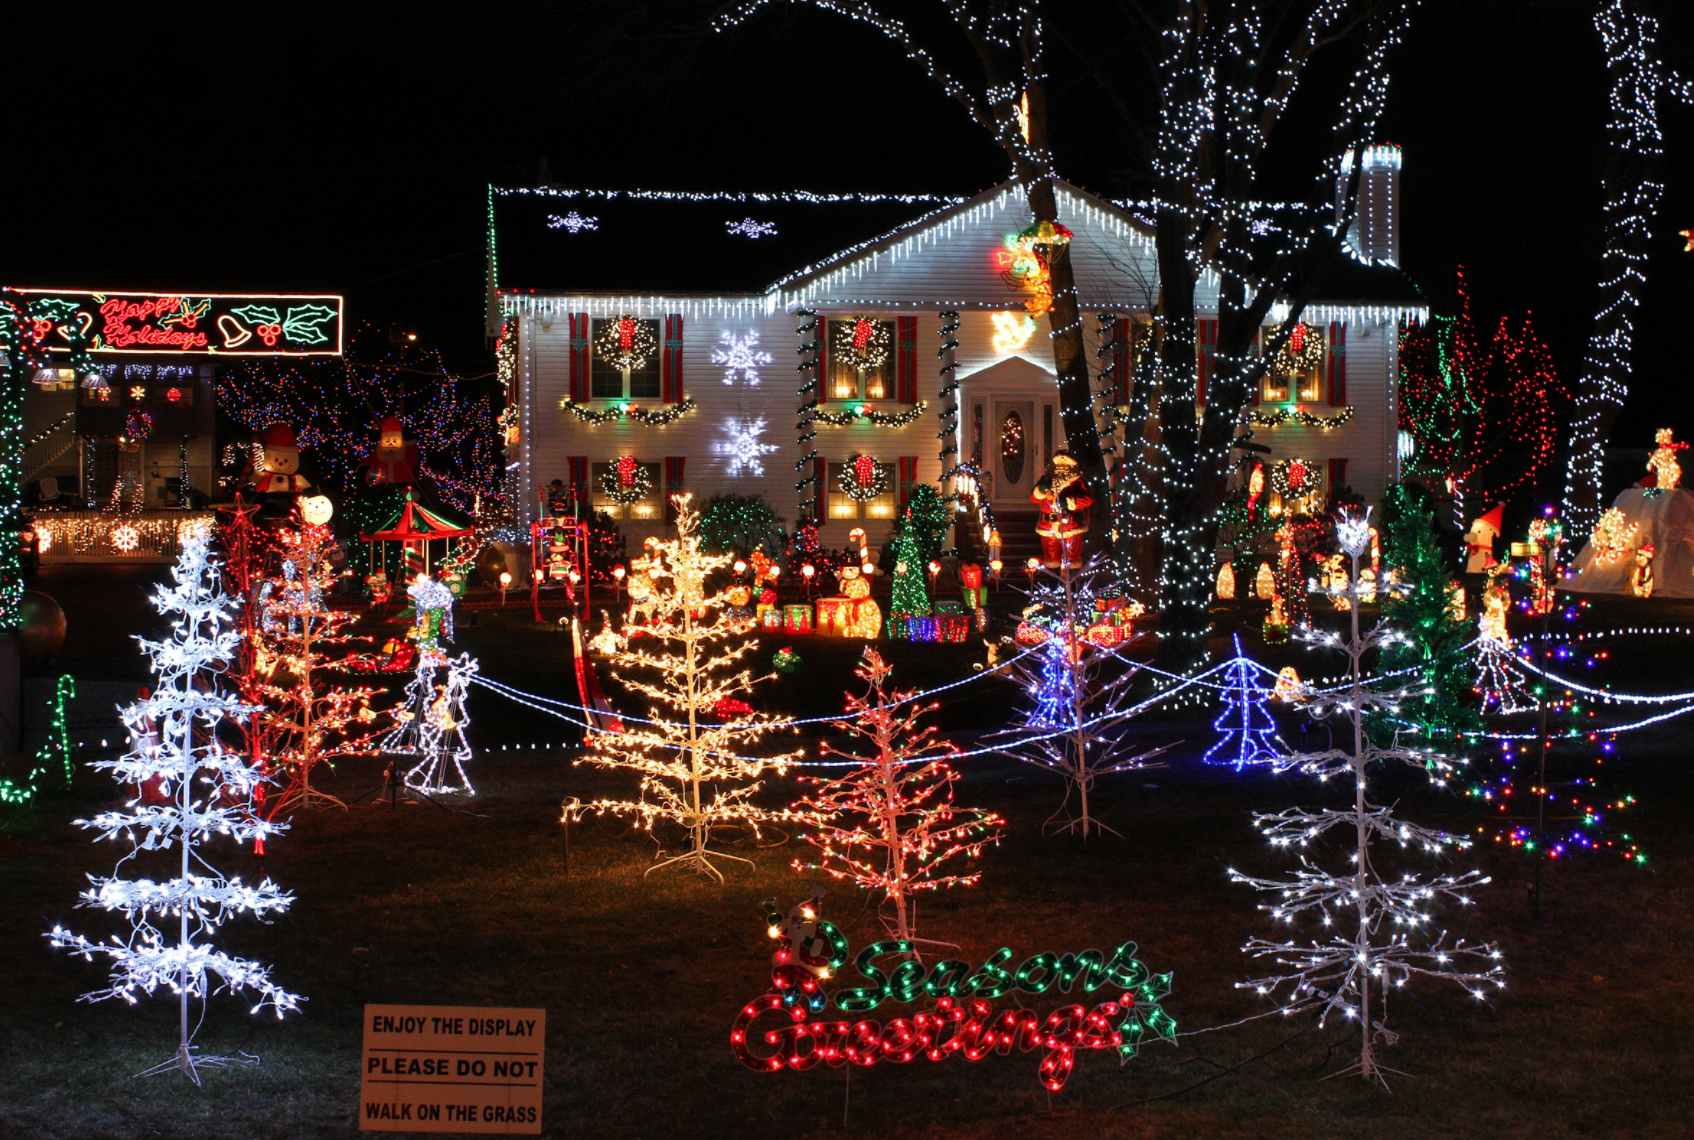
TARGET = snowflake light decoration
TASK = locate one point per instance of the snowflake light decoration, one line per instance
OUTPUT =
(747, 227)
(743, 446)
(573, 222)
(125, 538)
(741, 357)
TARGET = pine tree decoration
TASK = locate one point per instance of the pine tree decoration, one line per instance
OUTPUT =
(693, 751)
(909, 598)
(1078, 691)
(1374, 941)
(890, 825)
(1435, 640)
(926, 518)
(308, 716)
(1245, 729)
(207, 791)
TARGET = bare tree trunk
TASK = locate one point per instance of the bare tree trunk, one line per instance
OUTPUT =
(1183, 617)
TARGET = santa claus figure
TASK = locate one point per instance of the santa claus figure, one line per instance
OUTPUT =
(1641, 574)
(1064, 501)
(1479, 542)
(393, 461)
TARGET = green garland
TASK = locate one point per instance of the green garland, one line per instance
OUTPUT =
(619, 411)
(1304, 419)
(880, 419)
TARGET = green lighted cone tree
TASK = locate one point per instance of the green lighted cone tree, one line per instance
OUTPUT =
(926, 519)
(692, 749)
(1434, 638)
(889, 825)
(908, 597)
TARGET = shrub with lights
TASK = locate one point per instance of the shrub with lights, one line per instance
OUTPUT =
(739, 524)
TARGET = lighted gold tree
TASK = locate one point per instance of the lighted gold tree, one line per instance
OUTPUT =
(890, 824)
(308, 715)
(694, 749)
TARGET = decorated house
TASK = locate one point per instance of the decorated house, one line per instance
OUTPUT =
(113, 457)
(657, 342)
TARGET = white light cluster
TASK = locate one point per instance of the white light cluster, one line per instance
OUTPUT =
(743, 447)
(749, 228)
(741, 357)
(204, 792)
(1391, 937)
(573, 221)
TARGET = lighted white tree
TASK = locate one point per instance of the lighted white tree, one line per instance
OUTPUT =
(430, 724)
(692, 749)
(1378, 934)
(1078, 686)
(206, 792)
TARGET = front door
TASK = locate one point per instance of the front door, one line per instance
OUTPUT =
(1013, 451)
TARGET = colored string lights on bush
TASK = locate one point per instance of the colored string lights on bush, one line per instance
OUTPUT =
(958, 1018)
(204, 790)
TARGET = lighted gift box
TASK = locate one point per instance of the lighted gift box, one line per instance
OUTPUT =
(949, 606)
(832, 615)
(770, 619)
(1107, 636)
(797, 618)
(953, 627)
(921, 628)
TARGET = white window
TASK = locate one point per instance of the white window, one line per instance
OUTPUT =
(848, 381)
(608, 383)
(649, 506)
(843, 506)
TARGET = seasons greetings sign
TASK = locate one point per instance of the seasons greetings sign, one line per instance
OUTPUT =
(248, 324)
(1105, 1001)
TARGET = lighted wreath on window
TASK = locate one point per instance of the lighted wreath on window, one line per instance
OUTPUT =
(1294, 478)
(862, 343)
(626, 343)
(863, 479)
(626, 481)
(1302, 353)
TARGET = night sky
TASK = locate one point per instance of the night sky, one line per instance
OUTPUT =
(347, 148)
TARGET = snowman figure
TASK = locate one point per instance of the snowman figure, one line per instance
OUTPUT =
(274, 473)
(393, 461)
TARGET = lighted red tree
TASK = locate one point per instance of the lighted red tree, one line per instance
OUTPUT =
(890, 824)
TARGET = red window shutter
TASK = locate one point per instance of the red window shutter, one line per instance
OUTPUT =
(578, 356)
(670, 367)
(906, 359)
(908, 471)
(1337, 362)
(823, 364)
(1205, 345)
(1123, 330)
(579, 488)
(1337, 473)
(673, 483)
(820, 471)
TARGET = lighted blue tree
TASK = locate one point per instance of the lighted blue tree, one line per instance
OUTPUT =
(1245, 729)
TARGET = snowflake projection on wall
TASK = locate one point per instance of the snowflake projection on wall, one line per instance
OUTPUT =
(743, 446)
(741, 357)
(573, 222)
(749, 228)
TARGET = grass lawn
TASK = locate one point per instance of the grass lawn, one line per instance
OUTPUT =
(642, 978)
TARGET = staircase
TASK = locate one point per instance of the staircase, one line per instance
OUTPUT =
(1018, 540)
(49, 446)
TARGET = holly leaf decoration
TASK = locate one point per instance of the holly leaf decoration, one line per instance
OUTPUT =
(258, 315)
(301, 325)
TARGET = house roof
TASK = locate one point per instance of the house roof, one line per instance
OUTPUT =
(640, 241)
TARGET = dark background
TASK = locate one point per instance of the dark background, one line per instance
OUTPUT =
(348, 147)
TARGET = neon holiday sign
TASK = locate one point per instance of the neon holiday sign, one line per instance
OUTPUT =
(248, 324)
(959, 1017)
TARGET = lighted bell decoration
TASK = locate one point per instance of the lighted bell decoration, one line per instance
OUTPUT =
(1264, 582)
(1226, 581)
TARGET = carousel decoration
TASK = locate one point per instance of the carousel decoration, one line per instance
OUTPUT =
(626, 481)
(863, 479)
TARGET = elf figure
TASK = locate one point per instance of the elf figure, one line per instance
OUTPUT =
(1064, 501)
(1641, 574)
(1479, 541)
